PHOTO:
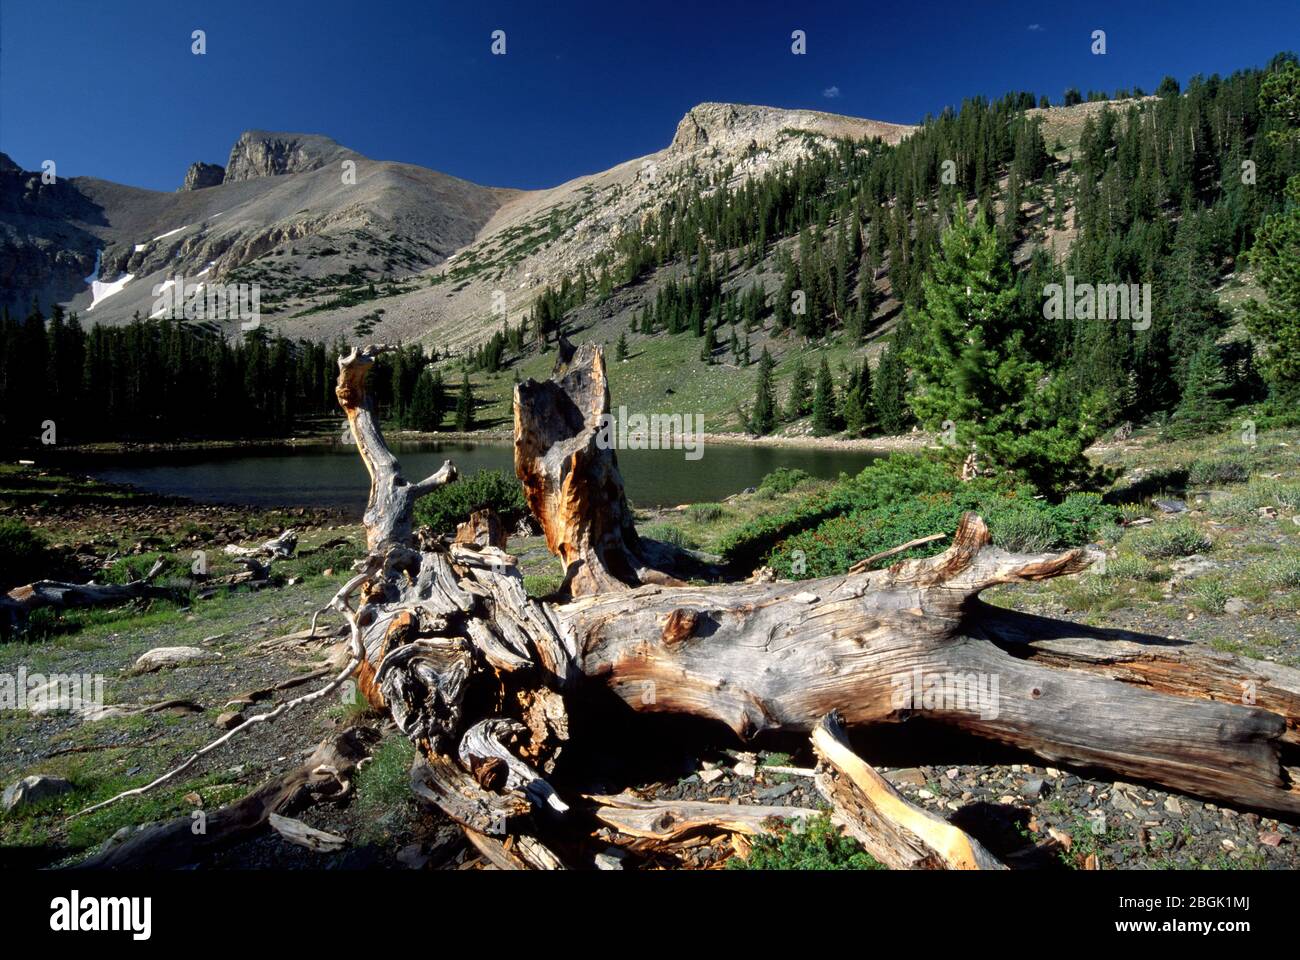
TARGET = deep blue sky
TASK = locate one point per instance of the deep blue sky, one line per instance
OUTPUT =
(109, 87)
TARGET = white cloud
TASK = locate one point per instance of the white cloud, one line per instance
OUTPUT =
(830, 93)
(1035, 28)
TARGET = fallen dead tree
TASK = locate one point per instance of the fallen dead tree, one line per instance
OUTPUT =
(21, 601)
(479, 675)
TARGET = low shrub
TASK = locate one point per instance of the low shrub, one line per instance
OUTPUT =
(452, 504)
(1209, 594)
(705, 512)
(24, 554)
(783, 479)
(1282, 573)
(1016, 522)
(1216, 471)
(1129, 567)
(1162, 541)
(815, 844)
(668, 534)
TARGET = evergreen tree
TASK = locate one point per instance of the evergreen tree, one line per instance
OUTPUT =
(762, 420)
(973, 366)
(857, 402)
(426, 407)
(889, 392)
(1276, 253)
(1202, 408)
(465, 406)
(799, 402)
(824, 420)
(620, 350)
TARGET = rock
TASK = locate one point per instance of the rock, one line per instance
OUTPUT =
(744, 769)
(1170, 506)
(1270, 838)
(201, 175)
(1120, 801)
(1268, 513)
(160, 657)
(708, 776)
(1061, 837)
(906, 775)
(610, 859)
(774, 793)
(259, 153)
(952, 773)
(1032, 788)
(1235, 605)
(413, 856)
(1173, 806)
(925, 794)
(31, 789)
(230, 719)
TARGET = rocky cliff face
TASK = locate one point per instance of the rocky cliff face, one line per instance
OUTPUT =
(260, 154)
(201, 175)
(736, 128)
(46, 250)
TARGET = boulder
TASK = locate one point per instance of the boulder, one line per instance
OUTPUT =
(30, 789)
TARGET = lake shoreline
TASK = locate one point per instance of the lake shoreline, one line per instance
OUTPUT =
(887, 444)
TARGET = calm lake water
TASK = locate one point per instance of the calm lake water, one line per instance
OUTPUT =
(334, 476)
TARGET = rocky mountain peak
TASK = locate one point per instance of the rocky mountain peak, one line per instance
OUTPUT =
(201, 175)
(259, 153)
(7, 165)
(737, 127)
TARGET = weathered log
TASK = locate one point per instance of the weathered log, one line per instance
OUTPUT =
(672, 819)
(897, 833)
(571, 479)
(459, 650)
(21, 601)
(176, 843)
(392, 498)
(280, 547)
(914, 640)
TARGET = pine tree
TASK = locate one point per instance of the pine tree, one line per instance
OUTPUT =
(1277, 250)
(824, 420)
(889, 392)
(799, 402)
(973, 366)
(620, 350)
(425, 410)
(465, 406)
(1202, 408)
(858, 419)
(762, 420)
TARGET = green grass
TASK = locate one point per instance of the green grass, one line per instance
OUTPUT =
(384, 784)
(813, 844)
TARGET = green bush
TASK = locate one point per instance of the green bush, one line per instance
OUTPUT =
(1210, 472)
(452, 504)
(1163, 541)
(783, 479)
(705, 512)
(900, 477)
(1128, 567)
(1023, 531)
(1016, 521)
(668, 534)
(815, 844)
(24, 554)
(1209, 594)
(1282, 573)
